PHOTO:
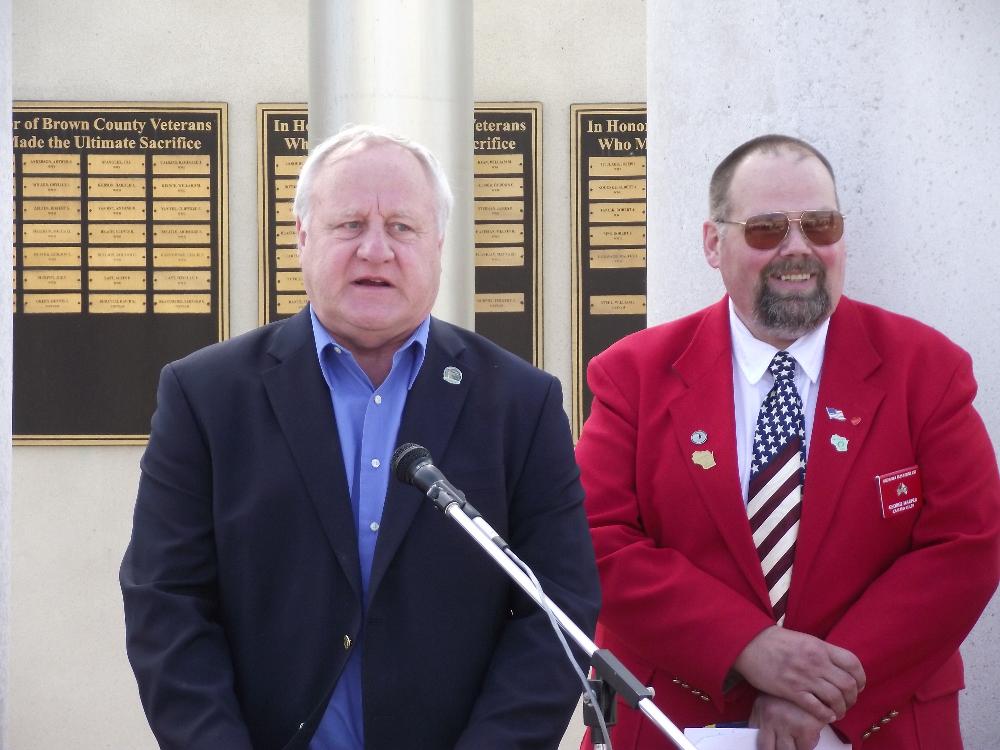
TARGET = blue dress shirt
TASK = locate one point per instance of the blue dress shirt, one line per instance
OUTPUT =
(367, 421)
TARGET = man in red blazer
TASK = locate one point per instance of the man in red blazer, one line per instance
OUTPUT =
(891, 538)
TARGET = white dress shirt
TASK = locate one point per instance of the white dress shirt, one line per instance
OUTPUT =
(752, 382)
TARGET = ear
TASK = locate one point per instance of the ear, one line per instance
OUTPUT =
(300, 234)
(710, 239)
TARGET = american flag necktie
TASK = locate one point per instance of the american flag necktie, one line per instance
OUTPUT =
(776, 477)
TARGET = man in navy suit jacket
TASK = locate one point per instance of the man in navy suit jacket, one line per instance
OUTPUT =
(281, 590)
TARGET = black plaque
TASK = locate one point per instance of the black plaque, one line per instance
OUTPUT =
(120, 260)
(608, 166)
(283, 141)
(507, 206)
(507, 211)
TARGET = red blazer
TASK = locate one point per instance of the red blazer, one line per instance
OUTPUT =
(683, 591)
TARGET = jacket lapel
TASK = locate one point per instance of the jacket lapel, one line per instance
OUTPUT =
(847, 362)
(301, 402)
(706, 367)
(429, 418)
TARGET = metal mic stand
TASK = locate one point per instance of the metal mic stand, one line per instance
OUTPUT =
(615, 675)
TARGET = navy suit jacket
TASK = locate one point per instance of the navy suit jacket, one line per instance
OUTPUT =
(241, 581)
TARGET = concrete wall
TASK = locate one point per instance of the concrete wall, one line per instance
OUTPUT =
(901, 98)
(70, 684)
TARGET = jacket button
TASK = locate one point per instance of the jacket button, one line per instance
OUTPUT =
(893, 714)
(347, 642)
(866, 735)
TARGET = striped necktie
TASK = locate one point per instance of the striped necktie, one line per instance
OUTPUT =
(776, 478)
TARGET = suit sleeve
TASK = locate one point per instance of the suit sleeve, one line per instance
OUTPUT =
(913, 617)
(531, 690)
(174, 638)
(682, 620)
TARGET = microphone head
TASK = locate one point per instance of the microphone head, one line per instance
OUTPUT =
(406, 459)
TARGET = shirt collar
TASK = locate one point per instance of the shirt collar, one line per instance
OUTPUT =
(418, 340)
(753, 355)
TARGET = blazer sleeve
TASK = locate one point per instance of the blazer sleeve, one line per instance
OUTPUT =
(531, 690)
(912, 618)
(174, 638)
(681, 619)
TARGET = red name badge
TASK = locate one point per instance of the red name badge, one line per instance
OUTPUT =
(900, 491)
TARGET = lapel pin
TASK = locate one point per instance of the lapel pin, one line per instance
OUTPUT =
(699, 437)
(836, 414)
(452, 375)
(839, 442)
(704, 459)
(855, 421)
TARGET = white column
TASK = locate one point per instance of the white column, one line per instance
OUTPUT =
(902, 99)
(405, 65)
(6, 352)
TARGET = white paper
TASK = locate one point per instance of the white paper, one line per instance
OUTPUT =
(725, 738)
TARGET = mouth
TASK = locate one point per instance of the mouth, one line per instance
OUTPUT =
(371, 282)
(793, 276)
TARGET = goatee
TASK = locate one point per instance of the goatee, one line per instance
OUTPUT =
(792, 315)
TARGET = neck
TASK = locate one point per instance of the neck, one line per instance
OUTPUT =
(375, 364)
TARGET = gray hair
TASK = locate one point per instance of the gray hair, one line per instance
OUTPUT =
(353, 138)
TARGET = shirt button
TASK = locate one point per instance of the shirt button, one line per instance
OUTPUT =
(347, 642)
(378, 399)
(373, 526)
(338, 350)
(376, 463)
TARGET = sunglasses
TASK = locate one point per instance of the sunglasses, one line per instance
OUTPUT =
(767, 231)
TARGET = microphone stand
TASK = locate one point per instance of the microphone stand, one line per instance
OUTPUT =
(614, 674)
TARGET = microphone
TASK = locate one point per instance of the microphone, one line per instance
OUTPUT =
(412, 464)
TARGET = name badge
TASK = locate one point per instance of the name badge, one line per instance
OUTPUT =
(899, 491)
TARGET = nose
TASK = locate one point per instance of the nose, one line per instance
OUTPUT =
(374, 245)
(795, 242)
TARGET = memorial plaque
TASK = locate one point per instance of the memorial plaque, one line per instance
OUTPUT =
(120, 260)
(507, 192)
(608, 166)
(283, 144)
(508, 219)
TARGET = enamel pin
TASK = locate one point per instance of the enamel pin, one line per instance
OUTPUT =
(452, 375)
(835, 414)
(704, 459)
(699, 437)
(839, 442)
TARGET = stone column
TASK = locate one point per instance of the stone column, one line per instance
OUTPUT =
(405, 65)
(6, 352)
(901, 98)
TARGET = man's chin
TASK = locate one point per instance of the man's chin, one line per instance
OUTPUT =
(792, 316)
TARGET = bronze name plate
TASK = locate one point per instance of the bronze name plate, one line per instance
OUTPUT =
(120, 260)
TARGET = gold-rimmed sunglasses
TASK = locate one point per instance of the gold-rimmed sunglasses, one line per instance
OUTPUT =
(767, 231)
